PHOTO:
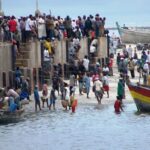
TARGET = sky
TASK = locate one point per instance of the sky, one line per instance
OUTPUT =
(128, 12)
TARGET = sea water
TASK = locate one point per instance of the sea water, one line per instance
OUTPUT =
(92, 127)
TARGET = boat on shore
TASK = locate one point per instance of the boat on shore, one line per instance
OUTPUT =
(133, 36)
(7, 116)
(141, 96)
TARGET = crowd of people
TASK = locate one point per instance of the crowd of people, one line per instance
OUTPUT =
(86, 80)
(47, 26)
(130, 61)
(47, 29)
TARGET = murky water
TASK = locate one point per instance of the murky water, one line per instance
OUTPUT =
(89, 128)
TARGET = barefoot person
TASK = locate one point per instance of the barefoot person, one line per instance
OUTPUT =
(117, 106)
(37, 98)
(44, 97)
(65, 101)
(52, 99)
(105, 84)
(98, 90)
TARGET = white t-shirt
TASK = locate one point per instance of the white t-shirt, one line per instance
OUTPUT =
(67, 96)
(28, 24)
(93, 46)
(130, 52)
(105, 69)
(98, 85)
(46, 55)
(86, 63)
(148, 58)
(105, 80)
(41, 28)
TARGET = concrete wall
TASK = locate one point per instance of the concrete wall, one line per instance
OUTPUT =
(103, 48)
(5, 61)
(35, 55)
(84, 48)
(60, 52)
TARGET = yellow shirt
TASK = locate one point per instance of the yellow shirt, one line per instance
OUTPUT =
(48, 46)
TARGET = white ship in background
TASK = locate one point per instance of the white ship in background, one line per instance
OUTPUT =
(133, 35)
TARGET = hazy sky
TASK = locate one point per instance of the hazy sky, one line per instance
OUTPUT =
(129, 12)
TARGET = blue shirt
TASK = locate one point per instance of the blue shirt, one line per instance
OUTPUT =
(36, 95)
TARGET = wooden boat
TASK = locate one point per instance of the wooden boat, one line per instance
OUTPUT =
(141, 96)
(6, 116)
(134, 36)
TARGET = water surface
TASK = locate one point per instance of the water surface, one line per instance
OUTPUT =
(90, 128)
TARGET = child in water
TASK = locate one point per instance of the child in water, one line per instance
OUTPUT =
(117, 105)
(52, 99)
(73, 103)
(37, 98)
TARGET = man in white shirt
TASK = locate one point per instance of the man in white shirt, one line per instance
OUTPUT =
(46, 55)
(98, 90)
(130, 51)
(86, 63)
(148, 57)
(28, 27)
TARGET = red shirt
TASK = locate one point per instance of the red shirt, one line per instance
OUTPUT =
(111, 63)
(12, 25)
(117, 106)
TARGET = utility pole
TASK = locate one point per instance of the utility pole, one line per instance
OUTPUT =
(37, 12)
(1, 12)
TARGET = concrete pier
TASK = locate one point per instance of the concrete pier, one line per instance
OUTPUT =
(30, 61)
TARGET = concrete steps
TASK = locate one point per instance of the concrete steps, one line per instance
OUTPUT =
(23, 59)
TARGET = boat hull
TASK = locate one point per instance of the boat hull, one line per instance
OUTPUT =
(128, 36)
(8, 117)
(141, 96)
(133, 36)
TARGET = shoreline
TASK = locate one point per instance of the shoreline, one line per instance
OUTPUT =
(113, 81)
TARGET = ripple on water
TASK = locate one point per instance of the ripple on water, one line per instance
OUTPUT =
(91, 128)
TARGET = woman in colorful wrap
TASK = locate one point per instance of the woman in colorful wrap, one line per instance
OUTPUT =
(73, 103)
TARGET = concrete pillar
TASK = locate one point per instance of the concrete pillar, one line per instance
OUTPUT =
(84, 48)
(103, 48)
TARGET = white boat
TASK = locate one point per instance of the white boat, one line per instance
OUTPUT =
(133, 35)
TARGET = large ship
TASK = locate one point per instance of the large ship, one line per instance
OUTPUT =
(133, 35)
